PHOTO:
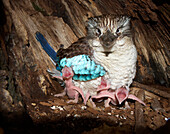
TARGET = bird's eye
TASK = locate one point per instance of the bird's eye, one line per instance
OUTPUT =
(98, 32)
(118, 31)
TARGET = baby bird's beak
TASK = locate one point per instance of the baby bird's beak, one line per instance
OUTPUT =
(121, 94)
(67, 73)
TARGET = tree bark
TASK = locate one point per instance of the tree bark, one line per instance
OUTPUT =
(24, 63)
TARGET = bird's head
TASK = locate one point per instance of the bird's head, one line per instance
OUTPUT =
(67, 73)
(108, 30)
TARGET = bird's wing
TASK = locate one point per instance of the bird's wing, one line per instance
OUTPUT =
(84, 68)
(78, 56)
(78, 48)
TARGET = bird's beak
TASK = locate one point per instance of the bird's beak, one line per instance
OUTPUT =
(121, 94)
(67, 72)
(107, 39)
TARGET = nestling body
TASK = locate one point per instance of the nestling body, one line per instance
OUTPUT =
(72, 91)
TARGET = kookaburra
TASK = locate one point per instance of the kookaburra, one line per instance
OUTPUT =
(101, 65)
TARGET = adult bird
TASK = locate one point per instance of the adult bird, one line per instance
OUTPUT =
(106, 56)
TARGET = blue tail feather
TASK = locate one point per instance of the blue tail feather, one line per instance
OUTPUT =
(46, 46)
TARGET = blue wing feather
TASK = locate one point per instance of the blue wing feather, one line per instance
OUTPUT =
(84, 68)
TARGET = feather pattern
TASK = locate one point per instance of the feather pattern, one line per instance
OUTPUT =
(84, 68)
(76, 56)
(118, 57)
(78, 48)
(48, 49)
(45, 45)
(107, 50)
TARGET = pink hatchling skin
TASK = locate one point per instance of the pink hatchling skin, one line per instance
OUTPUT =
(114, 97)
(71, 90)
(122, 94)
(104, 92)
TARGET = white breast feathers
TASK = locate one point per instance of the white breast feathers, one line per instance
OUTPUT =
(120, 64)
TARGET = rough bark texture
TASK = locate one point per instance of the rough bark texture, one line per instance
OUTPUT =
(139, 117)
(27, 89)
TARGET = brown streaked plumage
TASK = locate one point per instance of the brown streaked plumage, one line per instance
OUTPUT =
(102, 28)
(78, 48)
